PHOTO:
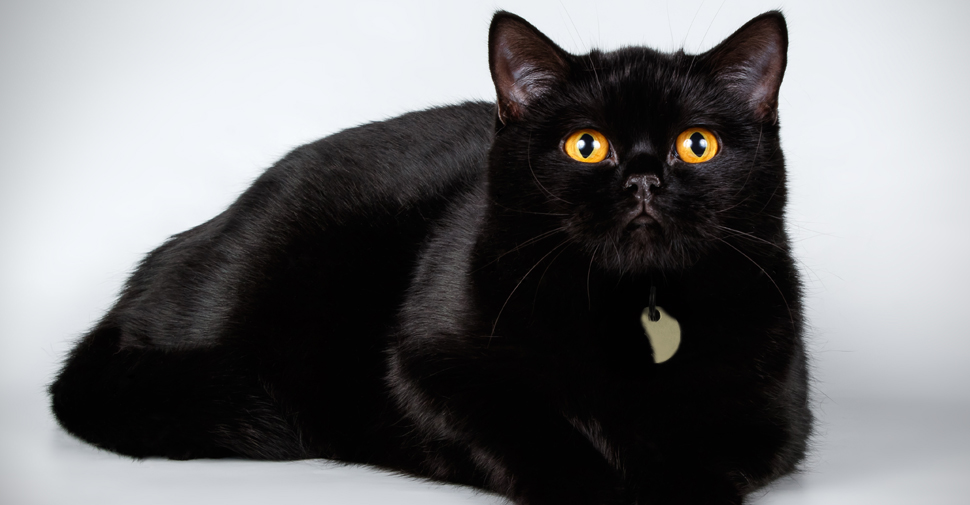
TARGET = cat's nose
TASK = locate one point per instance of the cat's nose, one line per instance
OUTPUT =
(640, 185)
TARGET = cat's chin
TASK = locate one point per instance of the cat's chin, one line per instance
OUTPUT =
(643, 245)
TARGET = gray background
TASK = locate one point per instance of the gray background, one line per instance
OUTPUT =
(122, 123)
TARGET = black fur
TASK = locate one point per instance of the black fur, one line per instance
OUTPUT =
(448, 294)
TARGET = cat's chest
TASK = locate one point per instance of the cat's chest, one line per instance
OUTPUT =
(620, 339)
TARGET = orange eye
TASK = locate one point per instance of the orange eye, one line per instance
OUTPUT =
(696, 145)
(588, 146)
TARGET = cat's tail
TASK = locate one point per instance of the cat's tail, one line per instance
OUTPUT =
(198, 403)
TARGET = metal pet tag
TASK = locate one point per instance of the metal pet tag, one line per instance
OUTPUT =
(664, 334)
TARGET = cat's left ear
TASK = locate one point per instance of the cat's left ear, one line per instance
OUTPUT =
(751, 62)
(525, 64)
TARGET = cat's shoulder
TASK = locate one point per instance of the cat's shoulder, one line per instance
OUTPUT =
(416, 135)
(397, 161)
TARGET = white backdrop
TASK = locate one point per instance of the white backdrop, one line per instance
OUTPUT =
(122, 123)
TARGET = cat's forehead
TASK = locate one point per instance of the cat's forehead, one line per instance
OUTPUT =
(648, 77)
(641, 88)
(632, 61)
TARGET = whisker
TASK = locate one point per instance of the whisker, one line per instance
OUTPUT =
(750, 236)
(712, 22)
(691, 25)
(619, 260)
(585, 47)
(770, 198)
(732, 207)
(791, 316)
(499, 315)
(751, 164)
(528, 159)
(534, 240)
(538, 284)
(739, 233)
(537, 238)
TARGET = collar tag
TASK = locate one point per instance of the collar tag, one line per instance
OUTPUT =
(662, 330)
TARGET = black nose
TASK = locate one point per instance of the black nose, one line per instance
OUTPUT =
(640, 185)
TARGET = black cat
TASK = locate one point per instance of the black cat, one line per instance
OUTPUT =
(465, 293)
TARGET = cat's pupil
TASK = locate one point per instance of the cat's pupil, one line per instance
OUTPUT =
(698, 144)
(586, 145)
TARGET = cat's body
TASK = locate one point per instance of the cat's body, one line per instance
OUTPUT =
(454, 297)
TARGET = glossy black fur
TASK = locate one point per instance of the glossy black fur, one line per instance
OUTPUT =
(447, 294)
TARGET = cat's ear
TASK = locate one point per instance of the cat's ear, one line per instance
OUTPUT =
(525, 64)
(751, 62)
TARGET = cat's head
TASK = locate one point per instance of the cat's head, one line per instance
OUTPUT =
(645, 160)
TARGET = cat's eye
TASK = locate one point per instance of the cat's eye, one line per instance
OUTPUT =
(588, 146)
(696, 145)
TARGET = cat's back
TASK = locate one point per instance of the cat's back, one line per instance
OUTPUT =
(351, 208)
(279, 304)
(386, 165)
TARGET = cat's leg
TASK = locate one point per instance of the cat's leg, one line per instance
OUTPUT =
(688, 476)
(719, 452)
(519, 443)
(686, 473)
(181, 404)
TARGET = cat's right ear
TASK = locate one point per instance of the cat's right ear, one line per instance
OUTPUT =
(752, 61)
(525, 64)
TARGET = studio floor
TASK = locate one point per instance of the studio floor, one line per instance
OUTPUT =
(864, 452)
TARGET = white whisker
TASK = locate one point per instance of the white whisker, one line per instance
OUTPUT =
(528, 159)
(499, 315)
(791, 316)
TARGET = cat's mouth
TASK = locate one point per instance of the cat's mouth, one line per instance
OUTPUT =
(641, 216)
(640, 220)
